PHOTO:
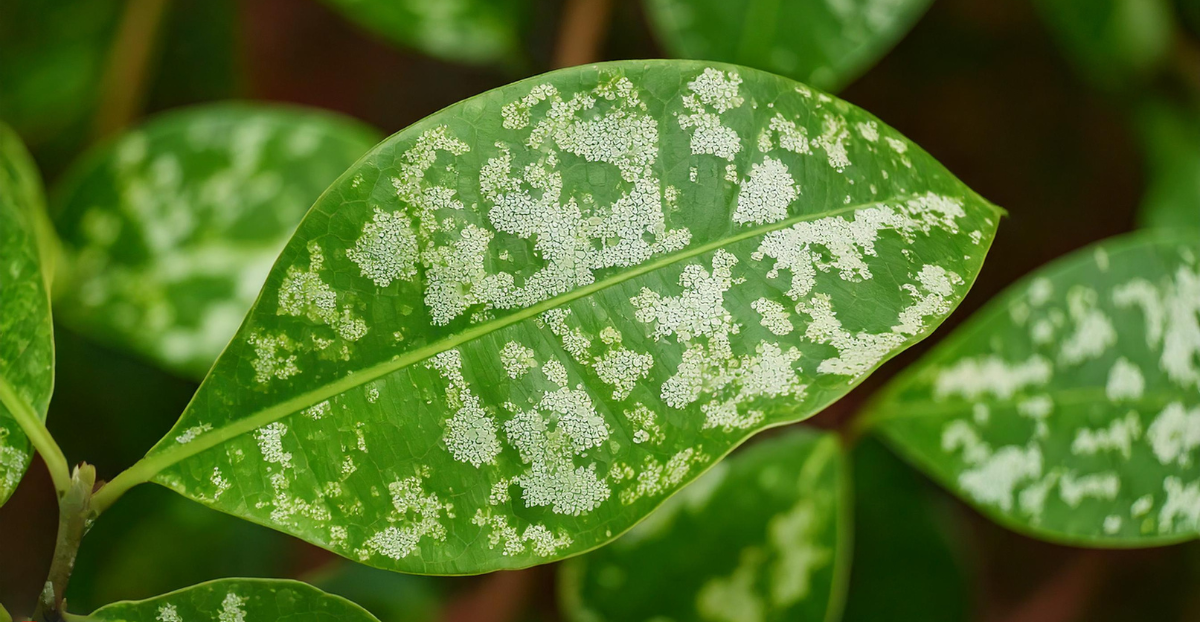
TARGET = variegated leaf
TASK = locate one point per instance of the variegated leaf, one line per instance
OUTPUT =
(516, 327)
(172, 228)
(26, 332)
(762, 536)
(1069, 408)
(237, 599)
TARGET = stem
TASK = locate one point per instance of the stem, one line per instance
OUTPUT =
(75, 516)
(128, 62)
(584, 25)
(4, 616)
(36, 431)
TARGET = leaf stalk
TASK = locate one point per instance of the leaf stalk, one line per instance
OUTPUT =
(41, 439)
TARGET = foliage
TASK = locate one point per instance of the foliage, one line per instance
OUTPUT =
(237, 599)
(774, 522)
(824, 44)
(531, 326)
(1068, 407)
(507, 294)
(170, 230)
(26, 336)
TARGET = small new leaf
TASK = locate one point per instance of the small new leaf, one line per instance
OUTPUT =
(1068, 407)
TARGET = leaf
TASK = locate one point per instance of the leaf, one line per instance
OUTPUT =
(826, 44)
(173, 228)
(1115, 43)
(900, 522)
(237, 599)
(470, 31)
(1069, 408)
(1170, 135)
(483, 334)
(760, 537)
(52, 60)
(135, 551)
(26, 333)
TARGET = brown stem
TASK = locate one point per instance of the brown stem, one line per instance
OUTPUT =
(1065, 596)
(74, 517)
(124, 84)
(581, 36)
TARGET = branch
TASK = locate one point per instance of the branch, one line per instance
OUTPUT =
(581, 35)
(124, 84)
(74, 517)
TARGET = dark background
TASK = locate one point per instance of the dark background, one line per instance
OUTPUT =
(981, 85)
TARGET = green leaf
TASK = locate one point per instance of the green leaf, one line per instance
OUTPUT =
(514, 328)
(760, 537)
(52, 61)
(237, 599)
(902, 521)
(1114, 43)
(826, 44)
(1170, 135)
(134, 551)
(1069, 407)
(26, 333)
(471, 31)
(173, 227)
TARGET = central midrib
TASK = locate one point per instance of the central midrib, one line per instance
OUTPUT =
(155, 462)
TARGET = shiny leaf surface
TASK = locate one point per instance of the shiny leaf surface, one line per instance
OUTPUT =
(1069, 408)
(515, 328)
(172, 228)
(26, 332)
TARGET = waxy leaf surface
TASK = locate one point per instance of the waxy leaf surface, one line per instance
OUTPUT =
(238, 599)
(1069, 408)
(825, 44)
(759, 537)
(472, 31)
(26, 333)
(516, 327)
(172, 229)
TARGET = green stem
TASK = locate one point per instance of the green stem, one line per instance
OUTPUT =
(36, 431)
(75, 515)
(4, 616)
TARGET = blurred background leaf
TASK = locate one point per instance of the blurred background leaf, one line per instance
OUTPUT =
(1170, 135)
(762, 536)
(1116, 44)
(169, 231)
(237, 599)
(58, 60)
(909, 561)
(824, 44)
(469, 31)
